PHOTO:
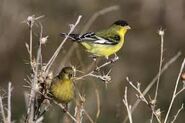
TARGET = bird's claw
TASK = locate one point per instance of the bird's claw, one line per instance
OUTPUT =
(114, 59)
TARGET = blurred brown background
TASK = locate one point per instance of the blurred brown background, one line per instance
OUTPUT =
(139, 59)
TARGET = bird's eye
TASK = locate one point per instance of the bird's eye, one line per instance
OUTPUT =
(117, 37)
(70, 75)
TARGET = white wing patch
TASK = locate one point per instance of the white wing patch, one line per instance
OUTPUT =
(102, 41)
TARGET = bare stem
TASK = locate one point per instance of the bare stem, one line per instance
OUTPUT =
(31, 106)
(79, 112)
(52, 59)
(2, 110)
(98, 104)
(79, 109)
(128, 107)
(161, 33)
(88, 116)
(176, 115)
(164, 68)
(30, 22)
(6, 119)
(156, 113)
(35, 68)
(9, 103)
(175, 90)
(31, 44)
(91, 73)
(180, 91)
(67, 112)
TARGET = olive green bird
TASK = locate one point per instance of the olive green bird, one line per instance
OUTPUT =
(62, 88)
(103, 43)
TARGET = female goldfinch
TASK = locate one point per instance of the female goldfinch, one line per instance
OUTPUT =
(105, 42)
(62, 88)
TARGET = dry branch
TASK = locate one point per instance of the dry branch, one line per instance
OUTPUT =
(175, 91)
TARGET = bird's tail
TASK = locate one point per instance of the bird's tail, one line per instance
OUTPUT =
(73, 37)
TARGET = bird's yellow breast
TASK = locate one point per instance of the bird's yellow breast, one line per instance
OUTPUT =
(105, 50)
(63, 91)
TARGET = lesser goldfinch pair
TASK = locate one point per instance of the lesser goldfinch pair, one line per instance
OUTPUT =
(103, 43)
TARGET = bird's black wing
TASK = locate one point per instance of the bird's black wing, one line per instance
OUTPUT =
(106, 40)
(92, 37)
(89, 36)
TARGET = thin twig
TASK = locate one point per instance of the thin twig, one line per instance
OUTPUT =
(39, 120)
(161, 34)
(30, 22)
(88, 116)
(165, 67)
(34, 82)
(157, 112)
(52, 59)
(174, 92)
(79, 109)
(91, 73)
(171, 61)
(9, 103)
(128, 107)
(42, 40)
(2, 110)
(98, 104)
(177, 114)
(31, 42)
(67, 112)
(137, 88)
(180, 91)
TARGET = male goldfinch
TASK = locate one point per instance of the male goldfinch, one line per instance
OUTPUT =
(105, 42)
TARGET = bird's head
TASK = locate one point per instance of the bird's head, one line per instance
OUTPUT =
(66, 73)
(122, 23)
(122, 26)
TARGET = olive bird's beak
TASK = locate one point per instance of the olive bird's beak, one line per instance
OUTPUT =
(127, 27)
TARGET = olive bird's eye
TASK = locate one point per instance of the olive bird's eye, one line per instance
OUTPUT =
(70, 75)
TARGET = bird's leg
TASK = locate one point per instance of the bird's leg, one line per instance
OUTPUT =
(94, 58)
(115, 58)
(95, 62)
(65, 109)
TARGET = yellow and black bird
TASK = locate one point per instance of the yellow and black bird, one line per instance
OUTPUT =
(62, 88)
(105, 42)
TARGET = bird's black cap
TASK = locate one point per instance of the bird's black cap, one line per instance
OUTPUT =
(121, 23)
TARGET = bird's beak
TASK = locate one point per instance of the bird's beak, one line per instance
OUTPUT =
(127, 27)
